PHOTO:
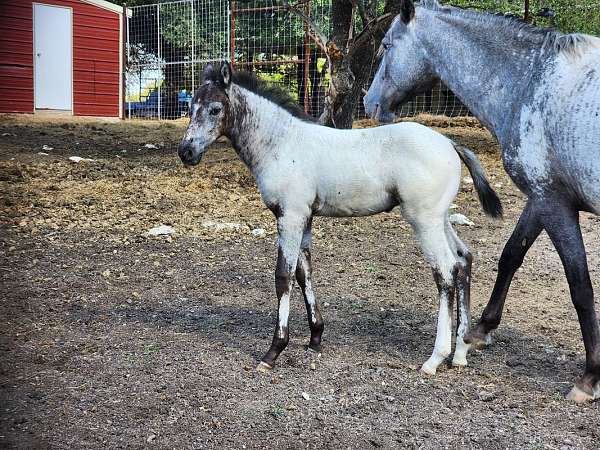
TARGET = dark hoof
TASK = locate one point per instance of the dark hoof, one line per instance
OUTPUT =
(478, 338)
(316, 348)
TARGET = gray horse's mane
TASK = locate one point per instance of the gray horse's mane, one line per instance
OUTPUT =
(547, 37)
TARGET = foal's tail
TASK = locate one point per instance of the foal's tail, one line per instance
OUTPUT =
(487, 196)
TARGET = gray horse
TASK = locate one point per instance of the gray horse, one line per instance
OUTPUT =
(538, 92)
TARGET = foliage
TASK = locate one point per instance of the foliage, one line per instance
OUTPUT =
(278, 35)
(269, 27)
(571, 16)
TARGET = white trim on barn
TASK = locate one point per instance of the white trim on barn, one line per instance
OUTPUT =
(106, 5)
(121, 76)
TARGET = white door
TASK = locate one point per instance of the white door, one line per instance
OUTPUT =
(53, 57)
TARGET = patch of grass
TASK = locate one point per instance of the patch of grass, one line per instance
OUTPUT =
(278, 412)
(372, 269)
(149, 349)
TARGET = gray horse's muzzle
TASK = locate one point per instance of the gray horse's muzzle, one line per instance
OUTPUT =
(189, 152)
(375, 111)
(370, 107)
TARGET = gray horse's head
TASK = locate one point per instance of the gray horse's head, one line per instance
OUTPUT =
(209, 114)
(404, 70)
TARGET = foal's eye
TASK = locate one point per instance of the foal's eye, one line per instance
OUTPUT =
(215, 110)
(386, 46)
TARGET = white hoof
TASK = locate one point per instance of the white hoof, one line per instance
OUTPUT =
(428, 368)
(579, 396)
(459, 361)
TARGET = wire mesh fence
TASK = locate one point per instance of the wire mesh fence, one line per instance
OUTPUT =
(169, 44)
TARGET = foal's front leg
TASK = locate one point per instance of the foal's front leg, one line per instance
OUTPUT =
(290, 228)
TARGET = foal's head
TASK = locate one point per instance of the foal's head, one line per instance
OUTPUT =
(209, 114)
(404, 70)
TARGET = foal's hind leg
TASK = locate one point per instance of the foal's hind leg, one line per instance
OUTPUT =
(562, 225)
(524, 235)
(304, 277)
(438, 252)
(290, 229)
(462, 280)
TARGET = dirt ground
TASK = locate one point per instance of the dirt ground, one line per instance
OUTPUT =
(112, 338)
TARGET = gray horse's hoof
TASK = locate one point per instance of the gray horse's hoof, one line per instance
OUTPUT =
(579, 395)
(263, 367)
(478, 339)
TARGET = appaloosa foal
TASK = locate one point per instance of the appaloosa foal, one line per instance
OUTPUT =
(538, 92)
(305, 170)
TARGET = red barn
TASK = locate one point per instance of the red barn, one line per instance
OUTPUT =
(64, 55)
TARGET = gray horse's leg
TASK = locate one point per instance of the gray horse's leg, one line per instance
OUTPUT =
(562, 225)
(524, 235)
(290, 229)
(304, 277)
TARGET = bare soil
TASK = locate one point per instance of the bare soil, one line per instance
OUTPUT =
(112, 338)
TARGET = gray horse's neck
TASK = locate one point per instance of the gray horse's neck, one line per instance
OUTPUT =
(486, 66)
(257, 127)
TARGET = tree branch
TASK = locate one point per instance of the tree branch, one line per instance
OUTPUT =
(374, 26)
(320, 38)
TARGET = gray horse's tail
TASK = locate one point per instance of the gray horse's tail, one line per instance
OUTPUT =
(487, 196)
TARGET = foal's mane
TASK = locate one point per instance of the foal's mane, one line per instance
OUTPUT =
(553, 39)
(271, 92)
(264, 89)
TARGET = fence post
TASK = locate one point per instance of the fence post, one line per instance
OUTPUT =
(193, 49)
(159, 62)
(526, 14)
(232, 32)
(306, 60)
(124, 60)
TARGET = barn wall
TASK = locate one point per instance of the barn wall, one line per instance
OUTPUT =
(96, 57)
(16, 56)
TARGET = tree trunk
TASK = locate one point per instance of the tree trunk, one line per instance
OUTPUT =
(342, 78)
(351, 66)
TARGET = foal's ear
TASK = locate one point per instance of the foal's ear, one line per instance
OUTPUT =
(226, 73)
(407, 10)
(208, 73)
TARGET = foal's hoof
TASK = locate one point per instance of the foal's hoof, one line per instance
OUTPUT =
(313, 350)
(263, 367)
(459, 363)
(428, 369)
(579, 395)
(478, 339)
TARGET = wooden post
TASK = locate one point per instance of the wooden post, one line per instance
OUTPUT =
(527, 15)
(306, 61)
(232, 33)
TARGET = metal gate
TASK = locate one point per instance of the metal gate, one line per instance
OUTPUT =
(169, 44)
